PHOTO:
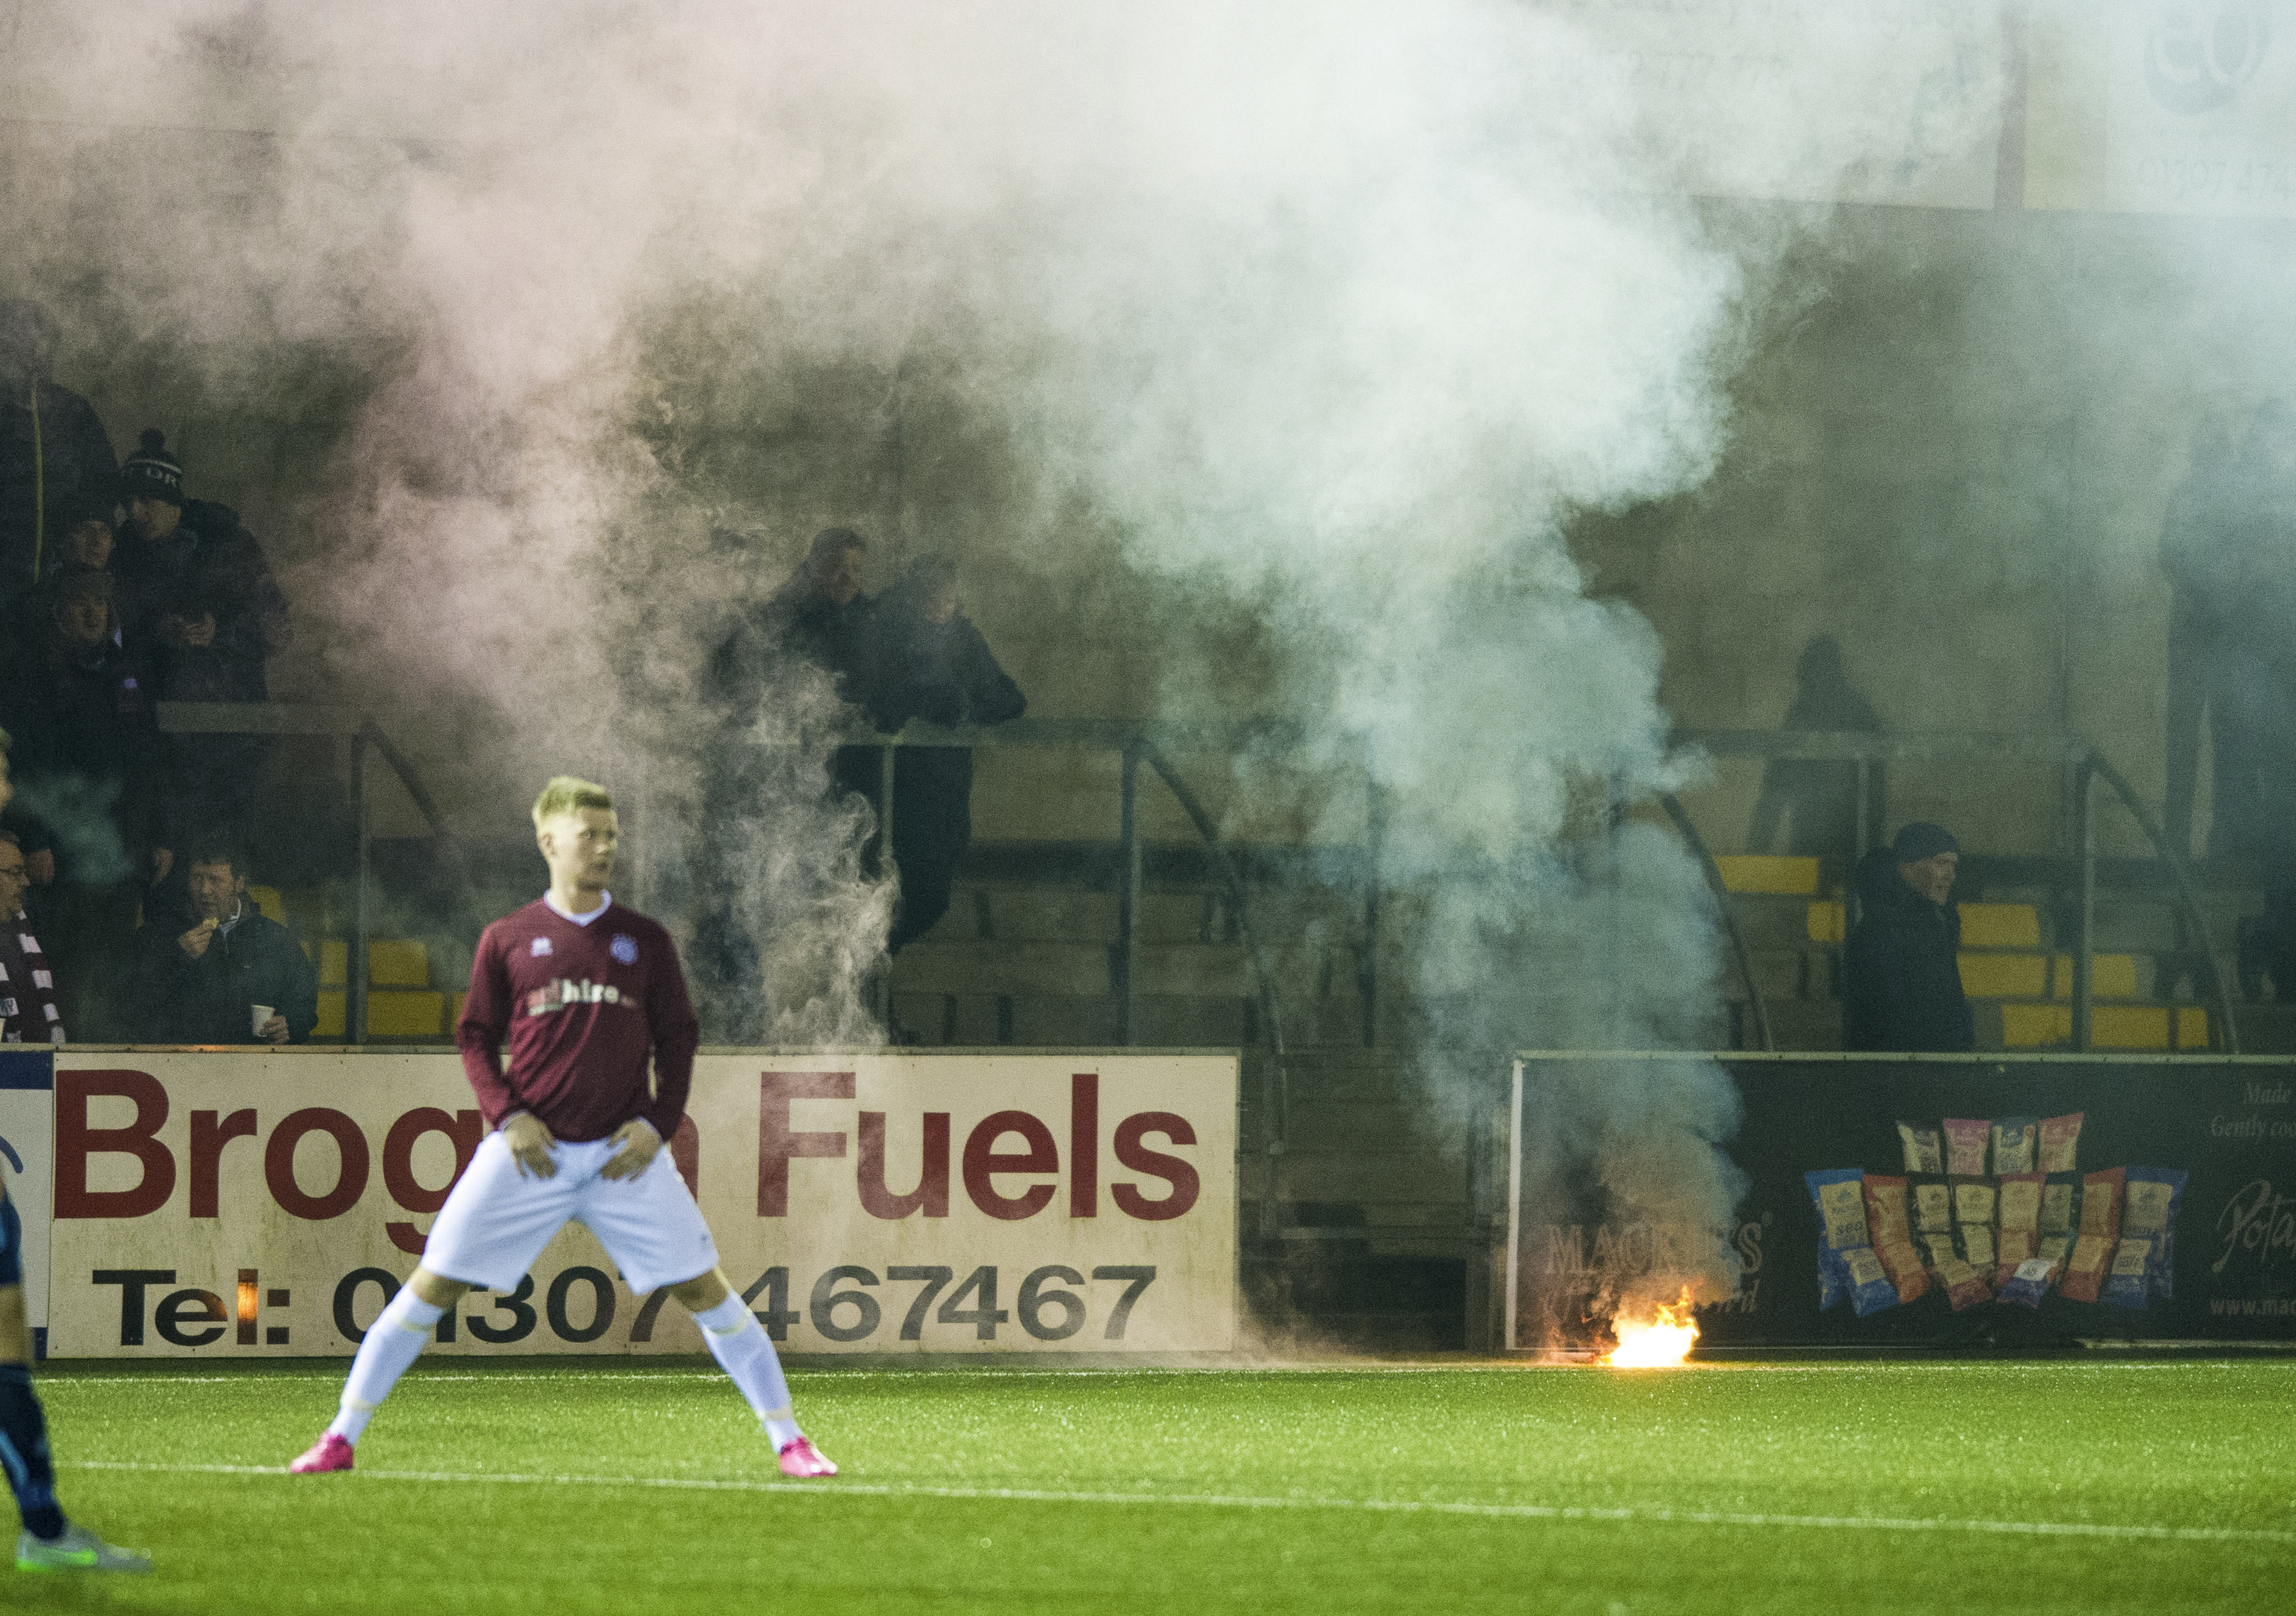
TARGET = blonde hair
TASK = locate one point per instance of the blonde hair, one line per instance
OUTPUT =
(566, 794)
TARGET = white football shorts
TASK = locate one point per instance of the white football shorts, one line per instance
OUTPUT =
(497, 1219)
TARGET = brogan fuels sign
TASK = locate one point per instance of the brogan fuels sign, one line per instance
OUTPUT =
(209, 1203)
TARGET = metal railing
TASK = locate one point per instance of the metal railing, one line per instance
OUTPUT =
(1153, 744)
(2083, 763)
(279, 718)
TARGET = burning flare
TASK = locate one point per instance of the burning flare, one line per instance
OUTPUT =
(1661, 1343)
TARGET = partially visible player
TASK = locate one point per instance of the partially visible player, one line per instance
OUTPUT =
(48, 1542)
(584, 989)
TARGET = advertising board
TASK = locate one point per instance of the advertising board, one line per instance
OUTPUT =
(1940, 1199)
(252, 1204)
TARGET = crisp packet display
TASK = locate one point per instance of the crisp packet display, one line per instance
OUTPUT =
(1870, 1289)
(1966, 1145)
(1906, 1269)
(1964, 1286)
(2060, 1203)
(1978, 1248)
(2126, 1285)
(1887, 1221)
(2059, 1142)
(1886, 1216)
(1933, 1205)
(1924, 1148)
(1839, 1195)
(2149, 1200)
(2085, 1269)
(2100, 1202)
(2013, 1141)
(2020, 1218)
(2028, 1282)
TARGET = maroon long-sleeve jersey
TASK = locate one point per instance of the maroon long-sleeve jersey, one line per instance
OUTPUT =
(582, 1005)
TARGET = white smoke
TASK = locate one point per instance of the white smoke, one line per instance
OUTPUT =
(1334, 312)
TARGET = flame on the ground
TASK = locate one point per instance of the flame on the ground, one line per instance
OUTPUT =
(1661, 1342)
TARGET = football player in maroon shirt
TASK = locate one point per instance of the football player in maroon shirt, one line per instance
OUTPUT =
(585, 992)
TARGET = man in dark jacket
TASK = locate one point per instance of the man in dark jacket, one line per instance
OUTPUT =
(199, 612)
(205, 984)
(819, 615)
(1818, 797)
(927, 661)
(85, 767)
(1901, 971)
(57, 469)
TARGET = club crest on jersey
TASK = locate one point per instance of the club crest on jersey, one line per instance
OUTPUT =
(624, 947)
(539, 947)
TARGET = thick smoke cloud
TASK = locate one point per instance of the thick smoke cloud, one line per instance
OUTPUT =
(1333, 312)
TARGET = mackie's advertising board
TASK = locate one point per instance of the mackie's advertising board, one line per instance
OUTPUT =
(1942, 1199)
(258, 1205)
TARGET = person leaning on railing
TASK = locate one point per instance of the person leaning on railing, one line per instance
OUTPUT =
(1902, 972)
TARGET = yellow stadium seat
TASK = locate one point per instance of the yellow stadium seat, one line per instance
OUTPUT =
(1792, 877)
(2005, 976)
(2000, 925)
(1826, 923)
(398, 962)
(2129, 1026)
(330, 1029)
(268, 903)
(2111, 976)
(2036, 1026)
(404, 1014)
(2191, 1027)
(334, 958)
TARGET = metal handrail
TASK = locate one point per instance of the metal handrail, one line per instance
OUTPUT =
(2084, 763)
(1149, 743)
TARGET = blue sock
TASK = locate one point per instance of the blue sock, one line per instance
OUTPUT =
(24, 1453)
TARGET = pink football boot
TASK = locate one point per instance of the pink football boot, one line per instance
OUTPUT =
(799, 1458)
(332, 1453)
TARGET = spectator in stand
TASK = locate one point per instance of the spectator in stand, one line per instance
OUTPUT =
(927, 661)
(1818, 798)
(85, 770)
(27, 989)
(1901, 970)
(2257, 691)
(199, 611)
(2194, 555)
(819, 615)
(203, 984)
(57, 469)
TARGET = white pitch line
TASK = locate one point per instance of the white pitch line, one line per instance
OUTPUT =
(1407, 1506)
(51, 1384)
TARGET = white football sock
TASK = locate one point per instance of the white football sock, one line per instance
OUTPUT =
(392, 1344)
(746, 1353)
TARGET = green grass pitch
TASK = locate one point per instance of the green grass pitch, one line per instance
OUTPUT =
(553, 1487)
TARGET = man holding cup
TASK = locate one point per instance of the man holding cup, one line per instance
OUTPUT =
(233, 976)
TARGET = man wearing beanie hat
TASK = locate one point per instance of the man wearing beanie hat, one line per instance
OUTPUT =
(1901, 971)
(57, 469)
(199, 613)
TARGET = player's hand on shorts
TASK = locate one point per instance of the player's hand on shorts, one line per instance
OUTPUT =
(636, 1146)
(530, 1144)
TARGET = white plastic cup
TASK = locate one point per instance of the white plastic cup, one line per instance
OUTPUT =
(258, 1014)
